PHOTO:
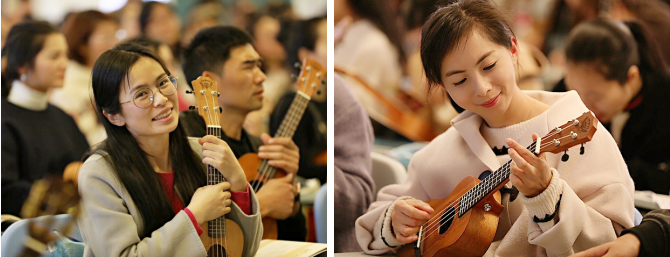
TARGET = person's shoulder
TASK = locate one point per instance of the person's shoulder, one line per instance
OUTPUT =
(58, 113)
(97, 166)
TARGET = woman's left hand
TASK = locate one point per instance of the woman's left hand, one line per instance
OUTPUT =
(217, 153)
(529, 173)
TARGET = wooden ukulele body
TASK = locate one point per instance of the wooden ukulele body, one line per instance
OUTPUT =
(250, 164)
(216, 246)
(468, 235)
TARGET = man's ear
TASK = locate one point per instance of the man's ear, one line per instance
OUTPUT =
(115, 119)
(209, 74)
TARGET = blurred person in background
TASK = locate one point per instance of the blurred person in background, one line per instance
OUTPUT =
(88, 35)
(625, 83)
(653, 14)
(160, 22)
(307, 39)
(266, 29)
(38, 138)
(371, 46)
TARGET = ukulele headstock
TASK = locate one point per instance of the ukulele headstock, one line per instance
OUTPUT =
(312, 75)
(207, 99)
(574, 132)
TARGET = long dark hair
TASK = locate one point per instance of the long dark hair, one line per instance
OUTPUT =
(128, 160)
(613, 47)
(445, 28)
(24, 41)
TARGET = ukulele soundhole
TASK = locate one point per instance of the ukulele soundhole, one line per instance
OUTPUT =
(446, 219)
(216, 251)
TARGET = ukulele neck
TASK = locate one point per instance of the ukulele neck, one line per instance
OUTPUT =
(217, 227)
(487, 186)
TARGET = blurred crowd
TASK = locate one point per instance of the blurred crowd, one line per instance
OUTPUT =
(620, 72)
(48, 85)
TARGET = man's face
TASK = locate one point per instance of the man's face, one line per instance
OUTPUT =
(241, 80)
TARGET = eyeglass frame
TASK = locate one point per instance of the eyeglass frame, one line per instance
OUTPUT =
(172, 80)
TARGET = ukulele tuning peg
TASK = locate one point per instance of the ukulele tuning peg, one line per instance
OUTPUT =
(318, 92)
(297, 65)
(581, 150)
(294, 77)
(192, 107)
(220, 110)
(565, 156)
(218, 94)
(189, 91)
(323, 81)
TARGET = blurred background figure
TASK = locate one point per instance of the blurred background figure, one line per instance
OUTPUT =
(371, 46)
(307, 39)
(88, 34)
(159, 21)
(625, 83)
(38, 138)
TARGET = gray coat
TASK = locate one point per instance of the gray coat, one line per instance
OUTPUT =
(110, 222)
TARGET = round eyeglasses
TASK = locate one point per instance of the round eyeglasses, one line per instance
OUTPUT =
(145, 96)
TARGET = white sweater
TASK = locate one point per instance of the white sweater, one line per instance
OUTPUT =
(595, 188)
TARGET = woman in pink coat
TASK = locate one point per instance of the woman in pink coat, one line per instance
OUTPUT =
(562, 207)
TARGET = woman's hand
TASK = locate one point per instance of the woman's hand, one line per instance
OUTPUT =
(407, 218)
(627, 245)
(218, 154)
(529, 173)
(210, 202)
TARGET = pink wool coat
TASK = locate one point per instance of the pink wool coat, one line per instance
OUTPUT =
(595, 188)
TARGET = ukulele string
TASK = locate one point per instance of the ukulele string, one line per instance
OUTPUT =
(432, 221)
(219, 222)
(432, 224)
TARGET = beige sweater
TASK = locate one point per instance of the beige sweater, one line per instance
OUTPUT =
(110, 222)
(596, 189)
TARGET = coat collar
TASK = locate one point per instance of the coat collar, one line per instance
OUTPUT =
(564, 107)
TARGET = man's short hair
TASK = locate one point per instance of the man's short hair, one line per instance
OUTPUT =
(210, 49)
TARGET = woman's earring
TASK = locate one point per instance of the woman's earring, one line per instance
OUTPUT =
(23, 77)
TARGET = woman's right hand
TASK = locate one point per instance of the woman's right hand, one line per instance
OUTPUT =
(407, 218)
(210, 202)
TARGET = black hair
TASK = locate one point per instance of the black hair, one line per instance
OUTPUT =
(303, 34)
(210, 49)
(129, 162)
(613, 47)
(147, 42)
(24, 41)
(145, 13)
(447, 26)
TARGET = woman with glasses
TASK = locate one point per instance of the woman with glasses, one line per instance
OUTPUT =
(37, 137)
(143, 188)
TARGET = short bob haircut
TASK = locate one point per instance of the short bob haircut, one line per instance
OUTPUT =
(446, 27)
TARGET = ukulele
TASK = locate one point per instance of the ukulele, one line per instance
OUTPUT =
(465, 222)
(48, 196)
(258, 172)
(394, 113)
(222, 237)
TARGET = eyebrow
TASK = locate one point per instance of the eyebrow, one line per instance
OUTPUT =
(479, 61)
(145, 85)
(253, 61)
